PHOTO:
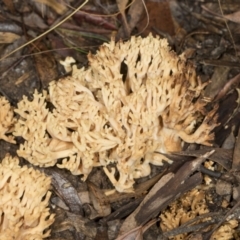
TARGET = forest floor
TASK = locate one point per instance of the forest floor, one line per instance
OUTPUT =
(198, 203)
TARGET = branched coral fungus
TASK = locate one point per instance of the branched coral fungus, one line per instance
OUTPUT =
(24, 199)
(6, 120)
(106, 115)
(186, 210)
(189, 206)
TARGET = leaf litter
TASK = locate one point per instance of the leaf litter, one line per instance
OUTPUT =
(198, 26)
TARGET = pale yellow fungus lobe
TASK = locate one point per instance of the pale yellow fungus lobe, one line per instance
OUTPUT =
(7, 120)
(24, 198)
(136, 100)
(191, 205)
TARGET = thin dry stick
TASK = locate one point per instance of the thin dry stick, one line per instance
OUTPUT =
(229, 31)
(145, 7)
(48, 31)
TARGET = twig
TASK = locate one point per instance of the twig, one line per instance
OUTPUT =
(229, 31)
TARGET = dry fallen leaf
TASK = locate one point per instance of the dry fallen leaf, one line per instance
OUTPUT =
(10, 5)
(58, 7)
(160, 18)
(234, 17)
(8, 37)
(135, 13)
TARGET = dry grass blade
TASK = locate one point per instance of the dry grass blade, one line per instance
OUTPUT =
(230, 33)
(147, 16)
(43, 34)
(236, 154)
(122, 4)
